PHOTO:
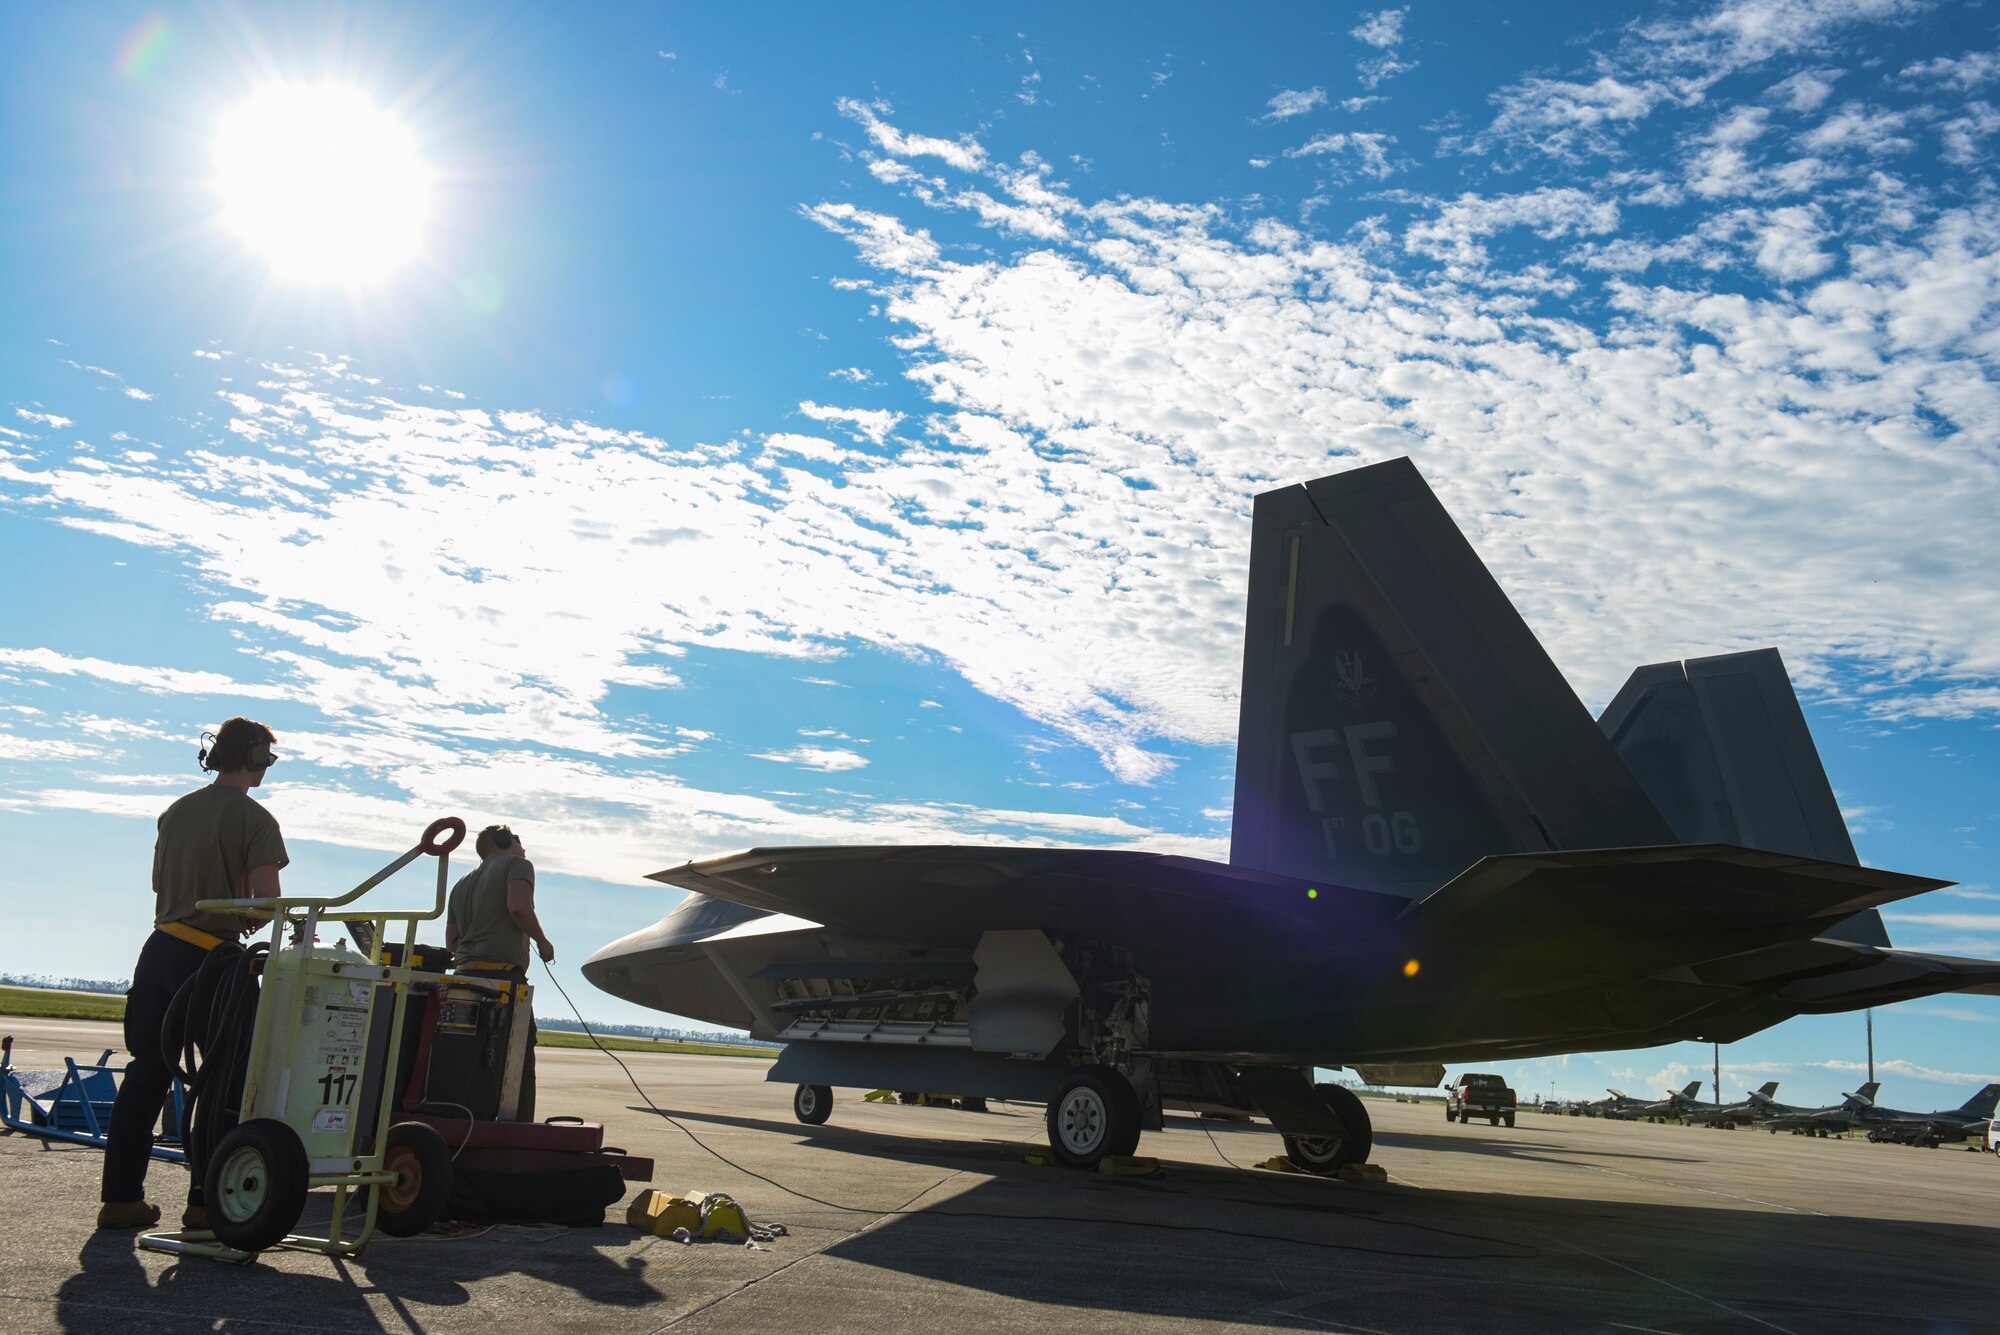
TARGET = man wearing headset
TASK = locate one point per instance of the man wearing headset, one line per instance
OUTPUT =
(216, 842)
(488, 924)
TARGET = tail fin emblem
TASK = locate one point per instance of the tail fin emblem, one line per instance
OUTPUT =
(1356, 687)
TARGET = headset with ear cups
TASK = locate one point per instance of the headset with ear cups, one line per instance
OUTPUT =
(260, 757)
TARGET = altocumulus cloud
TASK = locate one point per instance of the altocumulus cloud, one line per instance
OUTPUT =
(1764, 374)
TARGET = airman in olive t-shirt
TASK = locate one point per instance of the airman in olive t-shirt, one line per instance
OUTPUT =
(214, 843)
(209, 841)
(488, 924)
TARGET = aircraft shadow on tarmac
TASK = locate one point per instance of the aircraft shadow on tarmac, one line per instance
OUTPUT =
(1216, 1245)
(1512, 1144)
(1229, 1243)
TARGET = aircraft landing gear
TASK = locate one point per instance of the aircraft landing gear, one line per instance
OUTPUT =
(1093, 1116)
(1329, 1154)
(812, 1104)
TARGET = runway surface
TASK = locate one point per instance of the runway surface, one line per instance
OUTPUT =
(928, 1219)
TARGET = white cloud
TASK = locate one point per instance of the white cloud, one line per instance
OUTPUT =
(1383, 28)
(1457, 229)
(964, 154)
(153, 680)
(1295, 102)
(1957, 922)
(46, 419)
(1957, 72)
(1370, 152)
(873, 424)
(1804, 91)
(1953, 1013)
(133, 393)
(14, 746)
(826, 759)
(1908, 1070)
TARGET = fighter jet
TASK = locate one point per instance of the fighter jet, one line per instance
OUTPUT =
(1732, 1115)
(1437, 856)
(1622, 1107)
(1832, 1120)
(1930, 1129)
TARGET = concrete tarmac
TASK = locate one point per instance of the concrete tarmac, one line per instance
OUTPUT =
(905, 1218)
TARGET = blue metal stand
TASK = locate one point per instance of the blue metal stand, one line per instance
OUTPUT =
(76, 1108)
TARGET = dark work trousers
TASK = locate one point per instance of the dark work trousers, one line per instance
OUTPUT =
(164, 964)
(524, 1109)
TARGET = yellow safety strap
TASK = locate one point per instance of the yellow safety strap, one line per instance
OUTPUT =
(194, 936)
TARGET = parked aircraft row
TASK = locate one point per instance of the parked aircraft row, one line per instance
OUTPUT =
(1857, 1111)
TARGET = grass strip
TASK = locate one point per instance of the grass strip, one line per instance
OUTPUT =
(48, 1004)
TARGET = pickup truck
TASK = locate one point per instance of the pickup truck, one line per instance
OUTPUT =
(1475, 1095)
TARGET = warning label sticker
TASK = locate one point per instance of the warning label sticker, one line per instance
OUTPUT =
(330, 1120)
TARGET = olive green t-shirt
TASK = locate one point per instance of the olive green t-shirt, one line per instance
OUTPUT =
(209, 843)
(477, 916)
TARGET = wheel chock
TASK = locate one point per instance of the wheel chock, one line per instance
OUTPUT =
(879, 1096)
(1125, 1165)
(1278, 1163)
(1362, 1172)
(1039, 1158)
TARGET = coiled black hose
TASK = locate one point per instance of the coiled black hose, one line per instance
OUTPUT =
(206, 1037)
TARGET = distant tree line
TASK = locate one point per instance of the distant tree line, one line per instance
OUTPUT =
(109, 987)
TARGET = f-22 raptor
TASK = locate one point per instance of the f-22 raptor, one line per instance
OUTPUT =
(1437, 856)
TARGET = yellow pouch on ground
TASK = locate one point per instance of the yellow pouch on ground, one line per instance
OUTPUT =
(660, 1214)
(720, 1214)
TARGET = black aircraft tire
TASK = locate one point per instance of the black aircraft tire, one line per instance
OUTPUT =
(419, 1157)
(1093, 1115)
(812, 1104)
(1324, 1154)
(256, 1185)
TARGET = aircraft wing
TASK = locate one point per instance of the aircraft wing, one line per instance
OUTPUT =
(1640, 911)
(948, 895)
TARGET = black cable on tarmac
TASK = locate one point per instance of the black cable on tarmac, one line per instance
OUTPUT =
(205, 1037)
(1521, 1251)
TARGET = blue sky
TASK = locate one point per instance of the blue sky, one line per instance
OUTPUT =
(815, 426)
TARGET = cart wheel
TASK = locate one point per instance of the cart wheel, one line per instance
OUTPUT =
(421, 1161)
(256, 1185)
(812, 1104)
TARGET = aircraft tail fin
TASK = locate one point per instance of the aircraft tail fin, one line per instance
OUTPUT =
(1722, 748)
(1769, 1089)
(1865, 1095)
(1692, 1088)
(1983, 1103)
(1399, 719)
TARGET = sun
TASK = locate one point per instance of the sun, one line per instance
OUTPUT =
(323, 184)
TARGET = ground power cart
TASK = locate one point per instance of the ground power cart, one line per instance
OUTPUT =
(319, 1083)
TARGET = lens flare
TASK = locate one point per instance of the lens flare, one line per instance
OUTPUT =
(1410, 968)
(143, 47)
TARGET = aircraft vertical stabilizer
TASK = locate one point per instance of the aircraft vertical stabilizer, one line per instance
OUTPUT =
(1399, 719)
(1721, 746)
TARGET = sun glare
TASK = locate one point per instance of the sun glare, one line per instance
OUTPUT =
(325, 186)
